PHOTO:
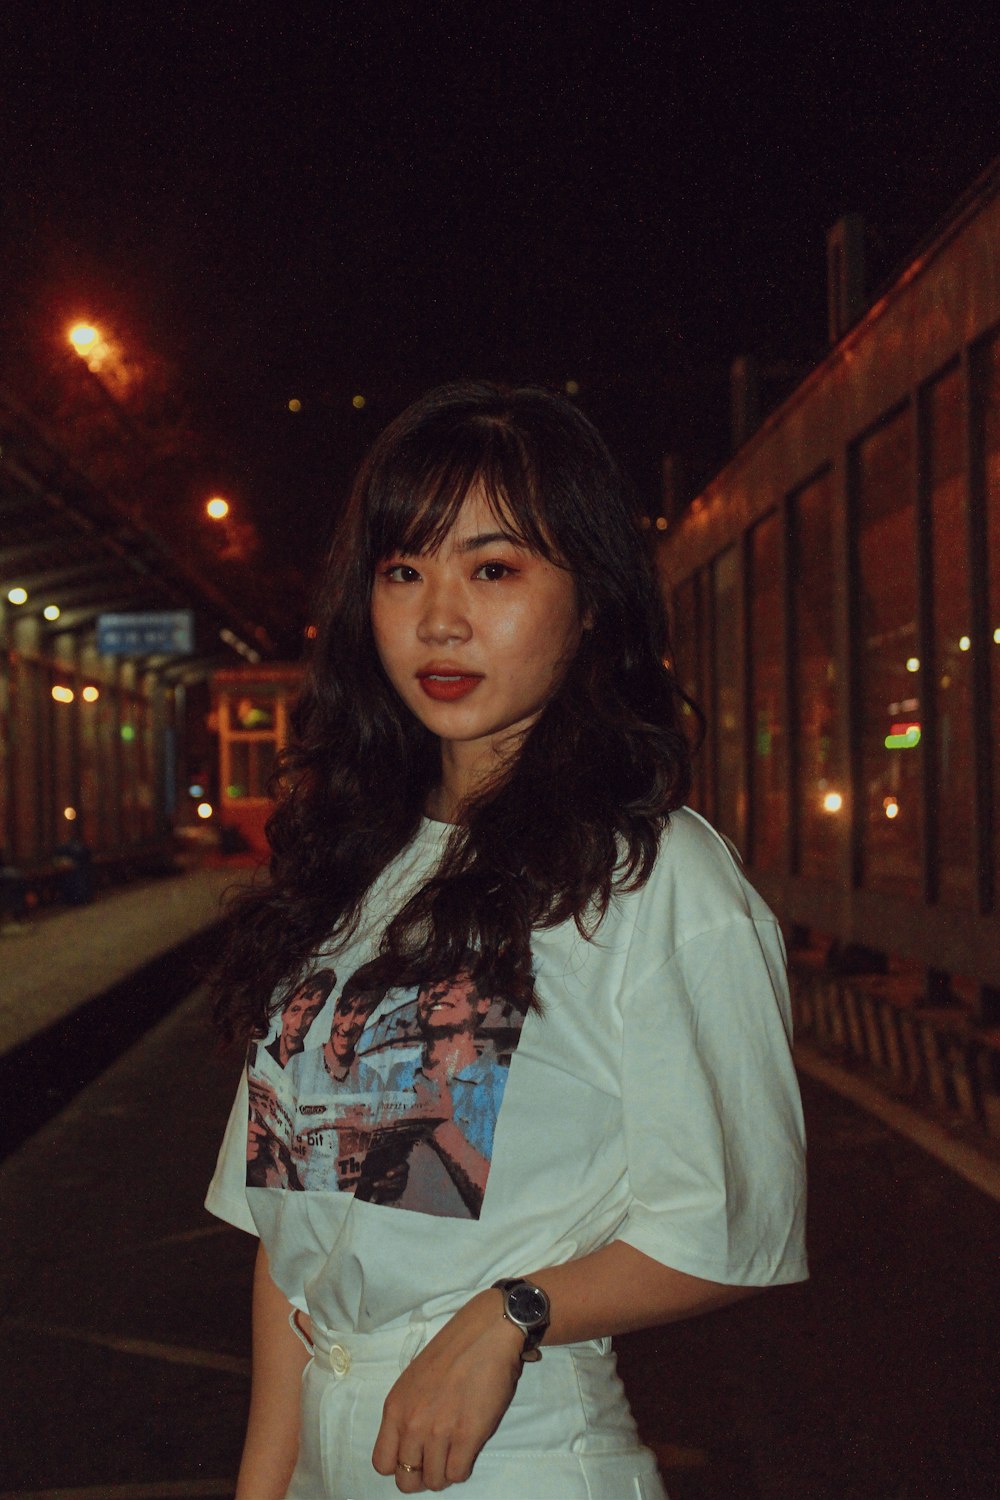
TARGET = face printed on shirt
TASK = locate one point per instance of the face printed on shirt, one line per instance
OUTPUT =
(452, 1005)
(349, 1017)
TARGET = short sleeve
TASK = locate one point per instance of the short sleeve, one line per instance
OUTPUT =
(713, 1120)
(227, 1197)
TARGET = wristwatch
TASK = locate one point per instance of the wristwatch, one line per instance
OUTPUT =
(527, 1305)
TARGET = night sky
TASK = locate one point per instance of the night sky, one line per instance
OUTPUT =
(322, 201)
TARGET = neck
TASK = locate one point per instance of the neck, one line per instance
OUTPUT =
(465, 769)
(451, 1052)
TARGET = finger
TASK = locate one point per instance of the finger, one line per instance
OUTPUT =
(410, 1475)
(435, 1462)
(386, 1450)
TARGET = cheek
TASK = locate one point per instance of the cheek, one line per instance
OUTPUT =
(387, 638)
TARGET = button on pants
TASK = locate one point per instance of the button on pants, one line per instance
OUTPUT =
(567, 1435)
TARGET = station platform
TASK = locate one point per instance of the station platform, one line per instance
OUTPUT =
(62, 959)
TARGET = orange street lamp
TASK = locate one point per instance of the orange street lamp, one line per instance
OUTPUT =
(84, 337)
(217, 509)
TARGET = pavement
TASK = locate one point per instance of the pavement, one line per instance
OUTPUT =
(62, 959)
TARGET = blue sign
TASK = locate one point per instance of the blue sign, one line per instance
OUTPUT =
(155, 633)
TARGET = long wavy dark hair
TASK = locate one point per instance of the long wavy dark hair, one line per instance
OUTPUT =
(577, 812)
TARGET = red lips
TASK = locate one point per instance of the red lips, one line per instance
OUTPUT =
(446, 684)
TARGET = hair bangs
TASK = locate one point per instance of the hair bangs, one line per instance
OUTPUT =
(419, 501)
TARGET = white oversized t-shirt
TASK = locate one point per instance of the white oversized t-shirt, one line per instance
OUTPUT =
(651, 1100)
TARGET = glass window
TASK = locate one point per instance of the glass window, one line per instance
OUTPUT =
(890, 675)
(63, 722)
(250, 763)
(820, 792)
(991, 433)
(253, 712)
(953, 790)
(768, 748)
(688, 648)
(727, 641)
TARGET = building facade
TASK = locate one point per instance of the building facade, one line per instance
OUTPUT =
(835, 596)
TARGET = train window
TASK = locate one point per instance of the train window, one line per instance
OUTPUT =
(727, 708)
(250, 764)
(953, 803)
(990, 389)
(768, 747)
(821, 802)
(889, 668)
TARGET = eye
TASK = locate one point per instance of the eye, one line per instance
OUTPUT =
(492, 572)
(400, 573)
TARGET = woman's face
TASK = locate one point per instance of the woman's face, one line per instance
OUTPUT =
(476, 636)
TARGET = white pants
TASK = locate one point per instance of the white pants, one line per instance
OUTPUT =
(567, 1435)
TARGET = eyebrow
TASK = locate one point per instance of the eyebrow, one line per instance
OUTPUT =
(488, 538)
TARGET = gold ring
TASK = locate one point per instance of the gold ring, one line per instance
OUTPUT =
(408, 1468)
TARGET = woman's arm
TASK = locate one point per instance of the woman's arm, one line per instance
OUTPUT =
(450, 1400)
(272, 1441)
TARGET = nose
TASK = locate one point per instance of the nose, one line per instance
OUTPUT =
(443, 618)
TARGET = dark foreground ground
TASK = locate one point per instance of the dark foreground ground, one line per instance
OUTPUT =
(124, 1333)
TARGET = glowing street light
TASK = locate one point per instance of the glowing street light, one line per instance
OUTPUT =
(52, 611)
(17, 595)
(84, 337)
(217, 509)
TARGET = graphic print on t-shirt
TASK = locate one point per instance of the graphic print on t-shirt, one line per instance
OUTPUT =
(397, 1103)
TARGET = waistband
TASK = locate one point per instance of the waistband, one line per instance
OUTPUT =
(342, 1352)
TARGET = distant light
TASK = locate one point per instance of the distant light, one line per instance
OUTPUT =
(52, 611)
(69, 813)
(890, 807)
(903, 737)
(833, 802)
(295, 404)
(964, 643)
(572, 388)
(358, 402)
(217, 508)
(17, 595)
(83, 337)
(645, 523)
(996, 635)
(205, 809)
(311, 632)
(62, 694)
(661, 523)
(235, 791)
(127, 733)
(90, 693)
(913, 663)
(196, 790)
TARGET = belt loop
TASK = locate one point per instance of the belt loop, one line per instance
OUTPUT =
(293, 1323)
(416, 1338)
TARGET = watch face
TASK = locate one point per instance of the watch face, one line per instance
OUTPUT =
(527, 1306)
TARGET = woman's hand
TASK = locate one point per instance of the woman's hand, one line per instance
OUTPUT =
(450, 1400)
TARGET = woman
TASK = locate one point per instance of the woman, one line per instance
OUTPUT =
(577, 1113)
